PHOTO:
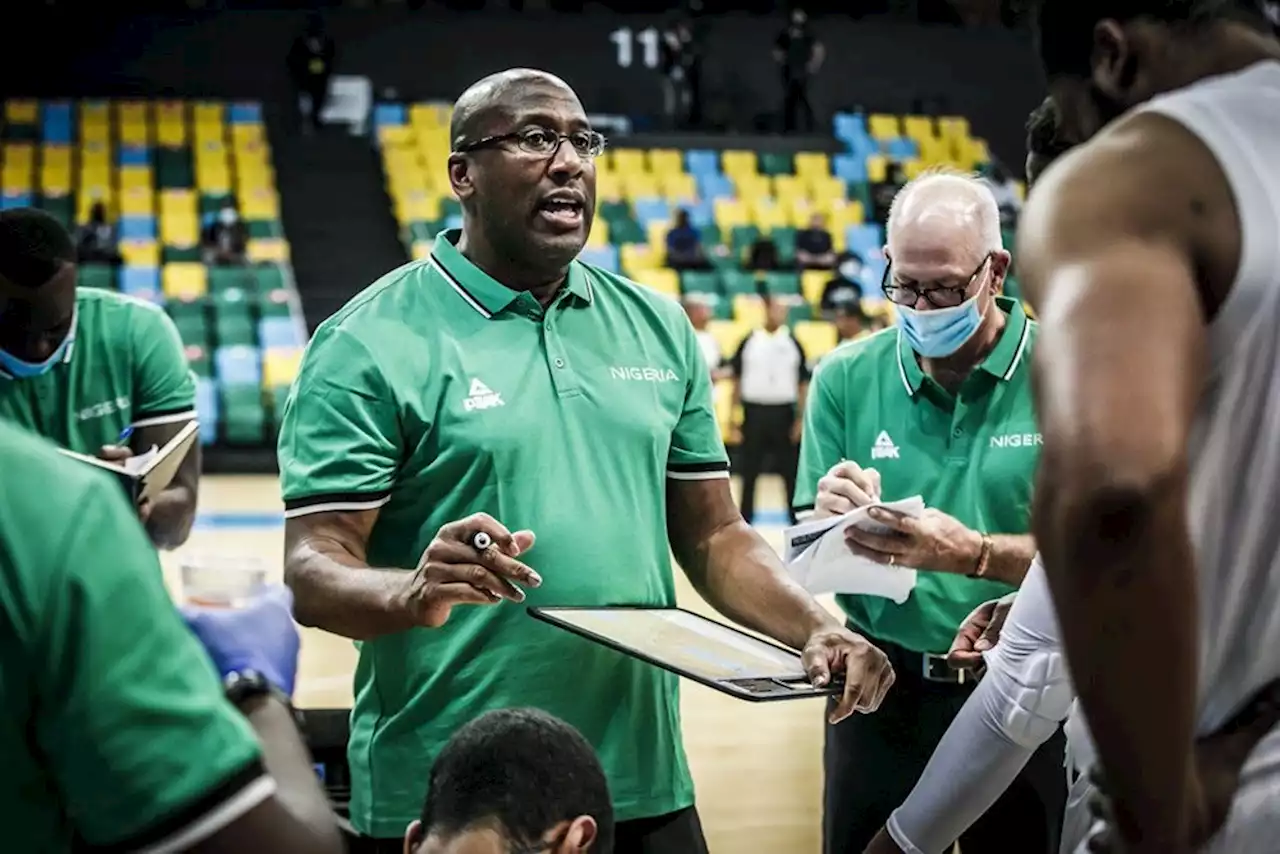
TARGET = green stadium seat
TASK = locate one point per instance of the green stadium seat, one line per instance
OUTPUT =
(709, 235)
(199, 360)
(263, 229)
(100, 276)
(450, 207)
(782, 283)
(798, 312)
(611, 212)
(62, 208)
(175, 169)
(211, 203)
(279, 397)
(738, 282)
(232, 278)
(722, 262)
(171, 254)
(233, 318)
(244, 418)
(784, 237)
(775, 163)
(741, 238)
(270, 277)
(1012, 289)
(423, 231)
(699, 282)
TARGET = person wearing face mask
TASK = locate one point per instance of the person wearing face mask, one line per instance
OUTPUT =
(92, 370)
(938, 406)
(226, 239)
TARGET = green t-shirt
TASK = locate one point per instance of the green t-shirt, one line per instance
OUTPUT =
(437, 393)
(113, 725)
(972, 455)
(125, 368)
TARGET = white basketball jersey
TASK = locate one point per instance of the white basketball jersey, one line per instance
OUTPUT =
(1233, 503)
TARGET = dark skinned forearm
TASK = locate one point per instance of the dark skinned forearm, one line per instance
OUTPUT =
(1120, 564)
(173, 512)
(1011, 556)
(337, 591)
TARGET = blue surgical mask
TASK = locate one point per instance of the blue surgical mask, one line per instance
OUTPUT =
(939, 332)
(20, 369)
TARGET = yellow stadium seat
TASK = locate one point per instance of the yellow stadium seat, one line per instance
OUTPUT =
(788, 187)
(767, 214)
(421, 249)
(88, 196)
(628, 160)
(171, 124)
(280, 366)
(179, 230)
(812, 284)
(737, 164)
(913, 168)
(178, 203)
(881, 126)
(730, 333)
(208, 113)
(662, 280)
(137, 201)
(825, 191)
(22, 112)
(252, 133)
(431, 115)
(137, 135)
(95, 113)
(270, 249)
(918, 127)
(749, 309)
(421, 206)
(812, 164)
(259, 203)
(139, 253)
(19, 168)
(637, 257)
(656, 230)
(396, 135)
(749, 187)
(723, 397)
(953, 127)
(185, 281)
(817, 337)
(729, 213)
(599, 235)
(678, 187)
(665, 161)
(608, 187)
(136, 176)
(877, 168)
(640, 185)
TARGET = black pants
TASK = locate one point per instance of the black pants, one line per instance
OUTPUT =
(797, 112)
(674, 833)
(873, 761)
(766, 435)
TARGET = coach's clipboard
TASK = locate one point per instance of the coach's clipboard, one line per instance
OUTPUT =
(719, 656)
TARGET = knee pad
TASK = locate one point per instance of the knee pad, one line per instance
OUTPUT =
(1037, 694)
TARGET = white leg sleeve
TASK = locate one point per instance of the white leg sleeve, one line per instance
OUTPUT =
(1023, 698)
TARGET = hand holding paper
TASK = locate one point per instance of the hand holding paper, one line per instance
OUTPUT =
(928, 540)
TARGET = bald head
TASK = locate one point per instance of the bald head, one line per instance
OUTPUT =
(948, 208)
(498, 96)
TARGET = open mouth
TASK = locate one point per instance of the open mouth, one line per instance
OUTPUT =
(562, 213)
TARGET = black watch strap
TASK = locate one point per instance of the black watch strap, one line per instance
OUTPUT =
(243, 685)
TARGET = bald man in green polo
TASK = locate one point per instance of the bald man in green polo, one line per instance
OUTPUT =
(939, 406)
(502, 387)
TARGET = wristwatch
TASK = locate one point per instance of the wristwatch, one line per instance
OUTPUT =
(242, 685)
(984, 559)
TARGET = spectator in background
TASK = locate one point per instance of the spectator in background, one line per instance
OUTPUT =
(852, 322)
(681, 77)
(799, 54)
(684, 245)
(226, 240)
(310, 67)
(814, 249)
(771, 374)
(698, 307)
(1005, 189)
(845, 286)
(515, 780)
(763, 255)
(883, 192)
(96, 240)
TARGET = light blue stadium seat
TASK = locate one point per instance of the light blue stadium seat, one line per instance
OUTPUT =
(137, 228)
(134, 155)
(55, 121)
(245, 113)
(866, 239)
(207, 410)
(902, 148)
(701, 214)
(238, 364)
(848, 126)
(604, 257)
(141, 282)
(715, 186)
(279, 332)
(850, 167)
(648, 210)
(700, 161)
(390, 114)
(16, 200)
(453, 221)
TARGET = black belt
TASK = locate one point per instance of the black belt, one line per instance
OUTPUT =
(926, 665)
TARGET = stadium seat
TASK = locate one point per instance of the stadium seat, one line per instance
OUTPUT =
(817, 337)
(280, 332)
(661, 280)
(141, 282)
(207, 410)
(604, 257)
(280, 366)
(96, 276)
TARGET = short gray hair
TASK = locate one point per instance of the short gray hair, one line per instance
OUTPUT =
(944, 181)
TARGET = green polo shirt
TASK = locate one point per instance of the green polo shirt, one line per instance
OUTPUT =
(972, 455)
(113, 725)
(438, 393)
(124, 368)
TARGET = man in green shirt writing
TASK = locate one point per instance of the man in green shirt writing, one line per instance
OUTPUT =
(939, 406)
(502, 387)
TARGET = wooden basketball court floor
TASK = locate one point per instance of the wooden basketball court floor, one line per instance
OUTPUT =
(757, 767)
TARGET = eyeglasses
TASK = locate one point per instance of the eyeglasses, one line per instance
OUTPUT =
(543, 142)
(939, 297)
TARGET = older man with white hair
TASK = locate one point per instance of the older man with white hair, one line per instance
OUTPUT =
(938, 406)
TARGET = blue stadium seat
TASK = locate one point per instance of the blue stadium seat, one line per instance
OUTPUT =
(137, 228)
(279, 332)
(134, 155)
(849, 126)
(850, 167)
(141, 282)
(604, 257)
(902, 148)
(648, 210)
(207, 410)
(238, 364)
(16, 200)
(245, 113)
(865, 239)
(453, 221)
(390, 114)
(715, 187)
(56, 123)
(698, 162)
(701, 214)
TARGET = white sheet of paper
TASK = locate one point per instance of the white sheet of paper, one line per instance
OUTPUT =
(818, 558)
(135, 464)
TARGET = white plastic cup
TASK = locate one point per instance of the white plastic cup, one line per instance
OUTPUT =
(222, 581)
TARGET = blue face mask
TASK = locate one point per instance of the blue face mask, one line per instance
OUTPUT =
(21, 369)
(939, 332)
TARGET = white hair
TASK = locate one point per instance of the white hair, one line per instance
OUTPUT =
(942, 192)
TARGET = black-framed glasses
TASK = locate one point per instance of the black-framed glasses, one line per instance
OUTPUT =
(938, 297)
(543, 142)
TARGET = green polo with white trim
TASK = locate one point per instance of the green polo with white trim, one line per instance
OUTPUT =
(972, 455)
(438, 393)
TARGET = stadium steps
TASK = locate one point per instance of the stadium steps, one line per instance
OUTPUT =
(335, 211)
